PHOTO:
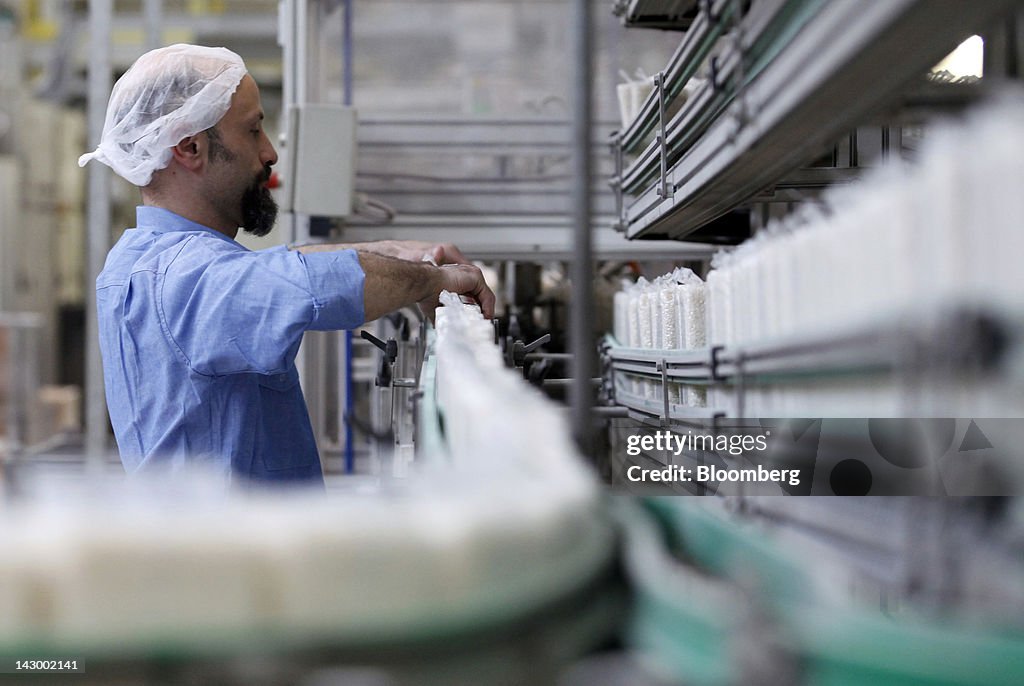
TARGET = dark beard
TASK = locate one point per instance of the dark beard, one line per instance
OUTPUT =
(259, 211)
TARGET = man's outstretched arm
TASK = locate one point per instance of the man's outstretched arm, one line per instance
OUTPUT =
(414, 251)
(393, 283)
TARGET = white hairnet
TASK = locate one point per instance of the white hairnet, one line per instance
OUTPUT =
(168, 94)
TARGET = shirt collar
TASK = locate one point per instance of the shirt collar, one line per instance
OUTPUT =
(159, 220)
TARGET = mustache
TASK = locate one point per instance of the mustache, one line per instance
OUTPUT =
(264, 176)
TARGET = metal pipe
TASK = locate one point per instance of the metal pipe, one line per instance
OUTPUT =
(547, 356)
(346, 53)
(293, 35)
(302, 65)
(611, 411)
(153, 18)
(349, 404)
(98, 242)
(581, 268)
(291, 57)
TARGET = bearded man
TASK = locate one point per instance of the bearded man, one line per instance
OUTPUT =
(198, 333)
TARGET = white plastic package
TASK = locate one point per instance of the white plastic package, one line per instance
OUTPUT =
(646, 319)
(621, 317)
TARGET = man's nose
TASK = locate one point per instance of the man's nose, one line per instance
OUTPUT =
(269, 154)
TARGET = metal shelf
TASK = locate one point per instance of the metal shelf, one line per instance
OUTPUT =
(929, 98)
(657, 14)
(715, 20)
(956, 340)
(694, 366)
(654, 413)
(793, 186)
(695, 46)
(847, 60)
(520, 237)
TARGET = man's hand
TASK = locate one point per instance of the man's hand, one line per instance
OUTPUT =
(461, 279)
(392, 283)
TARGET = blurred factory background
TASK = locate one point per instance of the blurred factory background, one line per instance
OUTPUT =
(799, 216)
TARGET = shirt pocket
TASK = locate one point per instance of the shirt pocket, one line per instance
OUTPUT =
(284, 423)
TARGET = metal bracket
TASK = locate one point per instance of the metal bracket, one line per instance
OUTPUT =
(713, 67)
(705, 7)
(741, 383)
(620, 206)
(390, 350)
(715, 362)
(659, 84)
(515, 356)
(663, 368)
(743, 115)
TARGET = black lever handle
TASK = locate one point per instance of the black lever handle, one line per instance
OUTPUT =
(530, 347)
(389, 348)
(519, 349)
(366, 335)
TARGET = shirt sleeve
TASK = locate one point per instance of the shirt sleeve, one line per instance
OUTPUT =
(235, 311)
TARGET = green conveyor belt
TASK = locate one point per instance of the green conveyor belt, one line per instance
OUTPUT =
(738, 578)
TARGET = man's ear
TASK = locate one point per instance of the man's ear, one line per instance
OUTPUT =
(190, 152)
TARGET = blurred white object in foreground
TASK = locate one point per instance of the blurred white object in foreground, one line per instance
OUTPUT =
(504, 524)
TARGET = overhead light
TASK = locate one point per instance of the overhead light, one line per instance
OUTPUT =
(966, 60)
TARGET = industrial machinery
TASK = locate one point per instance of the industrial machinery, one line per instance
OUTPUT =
(798, 235)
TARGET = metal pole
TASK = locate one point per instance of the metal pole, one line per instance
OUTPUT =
(581, 271)
(346, 53)
(153, 20)
(348, 404)
(301, 66)
(291, 71)
(98, 240)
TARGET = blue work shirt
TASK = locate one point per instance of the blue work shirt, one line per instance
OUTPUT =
(199, 336)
